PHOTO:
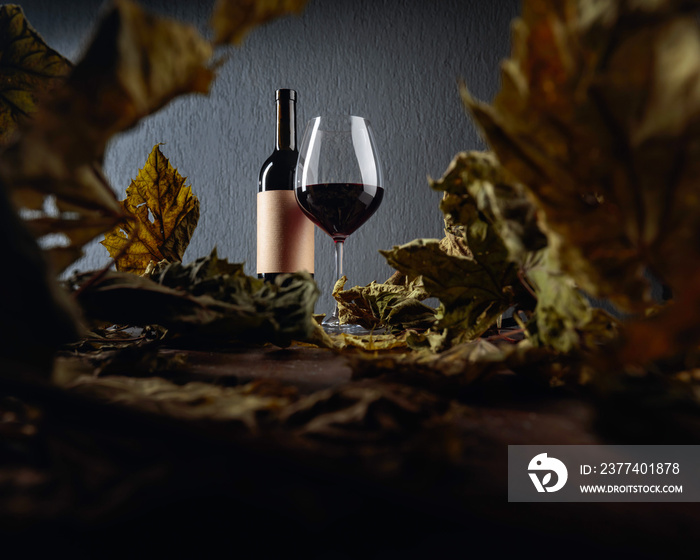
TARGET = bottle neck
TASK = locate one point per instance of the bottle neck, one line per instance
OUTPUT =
(286, 133)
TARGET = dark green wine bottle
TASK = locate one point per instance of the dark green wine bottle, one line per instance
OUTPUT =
(285, 234)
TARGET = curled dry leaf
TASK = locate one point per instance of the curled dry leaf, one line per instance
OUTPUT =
(162, 214)
(233, 19)
(371, 342)
(209, 300)
(472, 293)
(471, 362)
(561, 318)
(471, 271)
(29, 69)
(599, 116)
(476, 183)
(394, 306)
(135, 64)
(462, 364)
(363, 412)
(193, 401)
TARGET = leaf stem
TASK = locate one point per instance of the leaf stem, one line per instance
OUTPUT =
(526, 284)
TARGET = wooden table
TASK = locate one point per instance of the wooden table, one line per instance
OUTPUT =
(101, 475)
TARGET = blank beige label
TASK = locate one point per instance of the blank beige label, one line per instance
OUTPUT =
(285, 234)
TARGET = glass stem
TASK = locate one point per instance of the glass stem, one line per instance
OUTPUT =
(339, 246)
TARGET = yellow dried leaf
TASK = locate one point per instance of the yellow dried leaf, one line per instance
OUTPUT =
(394, 306)
(163, 212)
(233, 19)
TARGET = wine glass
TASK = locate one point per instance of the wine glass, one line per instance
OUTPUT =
(339, 185)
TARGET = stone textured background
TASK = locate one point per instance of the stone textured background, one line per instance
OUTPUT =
(396, 62)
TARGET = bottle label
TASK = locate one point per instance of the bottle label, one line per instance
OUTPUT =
(285, 234)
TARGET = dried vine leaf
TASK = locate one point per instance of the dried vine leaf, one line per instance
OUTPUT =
(472, 270)
(136, 64)
(472, 293)
(462, 364)
(476, 181)
(163, 215)
(363, 412)
(471, 362)
(395, 306)
(232, 20)
(371, 342)
(599, 116)
(29, 69)
(210, 300)
(561, 314)
(563, 319)
(194, 401)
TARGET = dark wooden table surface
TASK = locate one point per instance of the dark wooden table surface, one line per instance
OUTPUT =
(101, 476)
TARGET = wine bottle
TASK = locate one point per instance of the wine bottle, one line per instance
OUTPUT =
(285, 234)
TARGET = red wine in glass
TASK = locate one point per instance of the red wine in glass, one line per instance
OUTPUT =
(339, 208)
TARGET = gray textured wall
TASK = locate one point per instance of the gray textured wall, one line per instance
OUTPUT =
(394, 61)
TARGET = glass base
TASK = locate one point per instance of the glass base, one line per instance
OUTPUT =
(333, 326)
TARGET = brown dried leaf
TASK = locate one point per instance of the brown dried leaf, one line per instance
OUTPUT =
(371, 342)
(394, 306)
(233, 19)
(208, 300)
(471, 271)
(29, 69)
(193, 401)
(463, 363)
(363, 412)
(599, 115)
(473, 292)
